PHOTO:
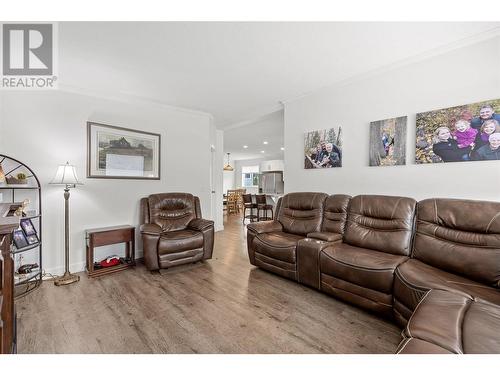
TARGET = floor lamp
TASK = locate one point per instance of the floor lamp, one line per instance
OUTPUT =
(66, 175)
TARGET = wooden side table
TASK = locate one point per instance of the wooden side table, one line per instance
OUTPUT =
(109, 236)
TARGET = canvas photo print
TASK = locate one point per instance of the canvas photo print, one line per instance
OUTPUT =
(468, 132)
(115, 152)
(388, 142)
(323, 148)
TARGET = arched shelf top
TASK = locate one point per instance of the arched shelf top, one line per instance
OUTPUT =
(19, 165)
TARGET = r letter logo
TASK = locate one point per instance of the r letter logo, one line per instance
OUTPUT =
(28, 56)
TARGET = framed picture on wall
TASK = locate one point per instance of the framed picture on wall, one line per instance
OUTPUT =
(115, 152)
(323, 149)
(469, 132)
(388, 142)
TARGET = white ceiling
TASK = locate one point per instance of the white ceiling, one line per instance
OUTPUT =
(269, 128)
(238, 71)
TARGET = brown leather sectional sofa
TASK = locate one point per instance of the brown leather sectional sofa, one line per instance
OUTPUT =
(433, 265)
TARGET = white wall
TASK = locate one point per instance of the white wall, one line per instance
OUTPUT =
(228, 181)
(466, 75)
(45, 129)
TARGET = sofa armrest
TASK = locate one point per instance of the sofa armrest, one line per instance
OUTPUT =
(200, 224)
(265, 227)
(153, 229)
(325, 236)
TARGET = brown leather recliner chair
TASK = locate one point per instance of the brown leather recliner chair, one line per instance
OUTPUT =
(173, 231)
(272, 245)
(377, 239)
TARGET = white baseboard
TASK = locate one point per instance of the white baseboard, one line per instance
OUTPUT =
(78, 266)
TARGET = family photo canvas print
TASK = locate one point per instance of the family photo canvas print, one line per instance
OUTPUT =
(388, 142)
(115, 152)
(468, 132)
(323, 148)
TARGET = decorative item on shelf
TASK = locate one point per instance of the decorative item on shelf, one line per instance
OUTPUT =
(2, 175)
(27, 268)
(228, 167)
(19, 239)
(31, 212)
(20, 179)
(110, 261)
(66, 175)
(28, 227)
(21, 209)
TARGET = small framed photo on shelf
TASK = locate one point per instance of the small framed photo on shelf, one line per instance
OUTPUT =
(20, 239)
(28, 227)
(32, 239)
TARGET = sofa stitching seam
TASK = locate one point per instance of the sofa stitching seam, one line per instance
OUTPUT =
(358, 267)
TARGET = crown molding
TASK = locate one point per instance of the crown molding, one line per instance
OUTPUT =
(130, 99)
(465, 42)
(258, 116)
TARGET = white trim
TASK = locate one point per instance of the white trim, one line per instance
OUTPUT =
(471, 40)
(80, 266)
(258, 117)
(129, 98)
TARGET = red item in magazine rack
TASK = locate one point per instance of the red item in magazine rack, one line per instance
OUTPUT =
(110, 261)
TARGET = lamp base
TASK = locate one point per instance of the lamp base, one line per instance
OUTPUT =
(66, 279)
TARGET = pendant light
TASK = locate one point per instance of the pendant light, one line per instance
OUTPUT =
(228, 167)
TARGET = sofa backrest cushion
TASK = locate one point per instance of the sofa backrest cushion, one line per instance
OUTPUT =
(335, 213)
(460, 236)
(301, 213)
(382, 223)
(172, 211)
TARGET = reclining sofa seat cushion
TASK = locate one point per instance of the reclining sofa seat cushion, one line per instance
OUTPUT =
(332, 230)
(272, 245)
(377, 239)
(456, 323)
(334, 218)
(456, 248)
(173, 230)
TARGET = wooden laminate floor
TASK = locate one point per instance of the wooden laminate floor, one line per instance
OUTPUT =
(224, 305)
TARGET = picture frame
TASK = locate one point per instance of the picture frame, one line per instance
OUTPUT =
(465, 133)
(115, 152)
(28, 228)
(32, 239)
(19, 239)
(323, 148)
(388, 142)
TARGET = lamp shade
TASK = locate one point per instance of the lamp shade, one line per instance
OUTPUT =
(228, 167)
(66, 175)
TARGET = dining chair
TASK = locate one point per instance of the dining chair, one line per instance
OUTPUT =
(249, 205)
(262, 205)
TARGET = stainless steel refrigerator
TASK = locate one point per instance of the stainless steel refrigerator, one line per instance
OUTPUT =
(271, 183)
